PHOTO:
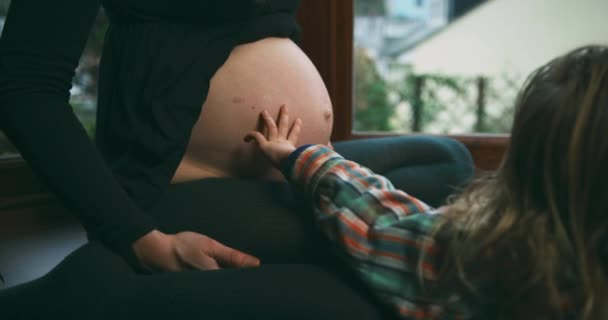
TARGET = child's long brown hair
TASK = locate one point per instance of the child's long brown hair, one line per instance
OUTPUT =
(535, 232)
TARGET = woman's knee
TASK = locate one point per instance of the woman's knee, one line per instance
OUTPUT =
(387, 154)
(428, 167)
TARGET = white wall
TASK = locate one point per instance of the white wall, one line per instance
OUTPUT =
(513, 36)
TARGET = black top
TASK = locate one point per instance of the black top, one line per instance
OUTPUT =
(157, 62)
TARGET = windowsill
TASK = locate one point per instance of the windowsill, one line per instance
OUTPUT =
(478, 139)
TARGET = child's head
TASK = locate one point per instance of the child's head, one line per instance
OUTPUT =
(557, 161)
(544, 214)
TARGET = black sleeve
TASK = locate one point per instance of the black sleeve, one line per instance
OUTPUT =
(39, 50)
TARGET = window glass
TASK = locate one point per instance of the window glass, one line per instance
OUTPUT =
(455, 66)
(84, 86)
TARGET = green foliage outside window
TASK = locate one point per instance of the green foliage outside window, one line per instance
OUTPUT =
(372, 109)
(436, 103)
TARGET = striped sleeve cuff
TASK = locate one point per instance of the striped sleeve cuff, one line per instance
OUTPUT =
(308, 163)
(291, 159)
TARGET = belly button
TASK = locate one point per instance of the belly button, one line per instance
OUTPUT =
(237, 100)
(327, 115)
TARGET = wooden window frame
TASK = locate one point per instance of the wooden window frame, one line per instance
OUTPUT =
(327, 39)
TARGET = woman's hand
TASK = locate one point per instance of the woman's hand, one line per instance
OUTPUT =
(157, 251)
(279, 141)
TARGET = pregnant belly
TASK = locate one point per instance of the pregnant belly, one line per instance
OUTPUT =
(257, 76)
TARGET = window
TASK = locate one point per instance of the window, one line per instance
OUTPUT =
(455, 66)
(84, 88)
(328, 41)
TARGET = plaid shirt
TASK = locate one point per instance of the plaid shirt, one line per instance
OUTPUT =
(385, 233)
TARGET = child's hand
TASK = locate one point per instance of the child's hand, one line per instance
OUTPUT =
(280, 141)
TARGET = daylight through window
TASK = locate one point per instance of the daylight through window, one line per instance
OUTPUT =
(455, 66)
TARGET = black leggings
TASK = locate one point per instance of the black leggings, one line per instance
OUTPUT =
(300, 276)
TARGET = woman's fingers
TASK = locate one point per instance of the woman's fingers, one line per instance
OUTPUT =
(294, 133)
(202, 262)
(283, 122)
(229, 257)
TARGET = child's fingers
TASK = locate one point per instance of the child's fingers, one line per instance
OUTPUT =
(294, 133)
(270, 125)
(255, 136)
(283, 121)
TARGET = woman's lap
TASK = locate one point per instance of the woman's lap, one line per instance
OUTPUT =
(261, 218)
(299, 276)
(93, 283)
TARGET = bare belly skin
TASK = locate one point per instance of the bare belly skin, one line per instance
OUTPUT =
(261, 75)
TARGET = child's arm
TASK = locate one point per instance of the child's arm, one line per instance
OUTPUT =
(386, 233)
